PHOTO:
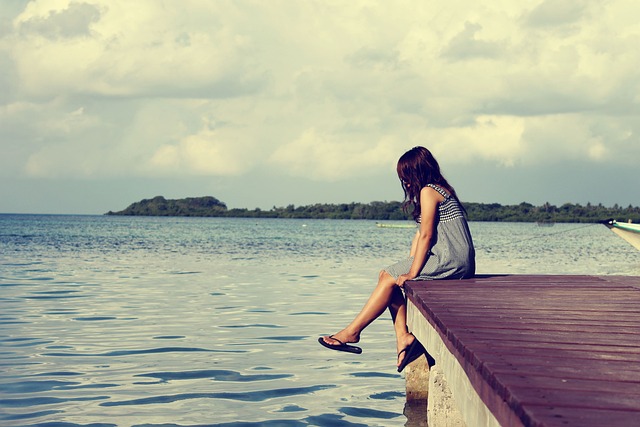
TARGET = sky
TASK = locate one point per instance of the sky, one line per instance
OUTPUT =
(270, 103)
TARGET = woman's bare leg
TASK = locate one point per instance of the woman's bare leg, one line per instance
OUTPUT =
(398, 310)
(386, 295)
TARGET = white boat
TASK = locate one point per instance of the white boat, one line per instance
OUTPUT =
(628, 231)
(394, 225)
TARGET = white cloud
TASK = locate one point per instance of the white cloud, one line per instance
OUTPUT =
(59, 20)
(321, 156)
(495, 138)
(467, 45)
(117, 48)
(558, 13)
(204, 153)
(328, 90)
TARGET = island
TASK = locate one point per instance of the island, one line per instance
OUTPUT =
(209, 206)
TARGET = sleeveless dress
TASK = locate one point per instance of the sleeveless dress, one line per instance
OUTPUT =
(452, 255)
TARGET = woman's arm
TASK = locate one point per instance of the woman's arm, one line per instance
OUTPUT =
(429, 199)
(414, 243)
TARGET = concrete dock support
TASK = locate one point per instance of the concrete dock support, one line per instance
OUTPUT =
(429, 399)
(442, 410)
(417, 381)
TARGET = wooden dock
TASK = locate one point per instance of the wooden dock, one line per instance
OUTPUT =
(518, 350)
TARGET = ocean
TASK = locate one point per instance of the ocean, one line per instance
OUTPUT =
(146, 321)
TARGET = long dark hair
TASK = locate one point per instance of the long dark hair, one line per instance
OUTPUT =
(417, 168)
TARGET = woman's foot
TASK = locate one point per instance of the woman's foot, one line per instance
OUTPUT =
(341, 338)
(409, 352)
(402, 345)
(334, 342)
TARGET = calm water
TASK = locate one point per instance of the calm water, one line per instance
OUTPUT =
(192, 321)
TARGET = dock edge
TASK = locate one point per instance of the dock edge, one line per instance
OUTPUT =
(452, 399)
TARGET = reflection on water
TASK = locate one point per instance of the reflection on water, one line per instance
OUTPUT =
(177, 321)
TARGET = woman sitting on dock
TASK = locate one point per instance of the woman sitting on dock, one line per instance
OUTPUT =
(441, 249)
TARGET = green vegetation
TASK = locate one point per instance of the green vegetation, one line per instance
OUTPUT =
(210, 206)
(524, 212)
(191, 206)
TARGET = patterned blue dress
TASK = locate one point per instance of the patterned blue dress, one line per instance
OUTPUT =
(452, 255)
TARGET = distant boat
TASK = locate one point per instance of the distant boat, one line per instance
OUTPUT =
(545, 223)
(389, 225)
(628, 231)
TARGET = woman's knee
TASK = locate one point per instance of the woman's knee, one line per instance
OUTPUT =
(384, 278)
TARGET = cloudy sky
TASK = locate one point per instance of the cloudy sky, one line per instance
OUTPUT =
(269, 103)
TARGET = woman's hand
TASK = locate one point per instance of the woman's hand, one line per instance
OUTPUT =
(403, 278)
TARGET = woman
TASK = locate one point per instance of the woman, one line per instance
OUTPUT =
(441, 249)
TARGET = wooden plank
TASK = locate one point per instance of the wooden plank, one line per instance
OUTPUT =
(559, 350)
(563, 416)
(565, 384)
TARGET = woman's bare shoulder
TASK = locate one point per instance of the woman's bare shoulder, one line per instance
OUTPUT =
(431, 193)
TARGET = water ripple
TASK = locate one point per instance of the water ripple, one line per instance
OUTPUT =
(387, 395)
(333, 421)
(250, 396)
(304, 313)
(36, 386)
(368, 413)
(255, 325)
(35, 401)
(285, 338)
(58, 374)
(267, 423)
(15, 417)
(144, 351)
(24, 342)
(50, 297)
(40, 386)
(372, 375)
(215, 374)
(292, 408)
